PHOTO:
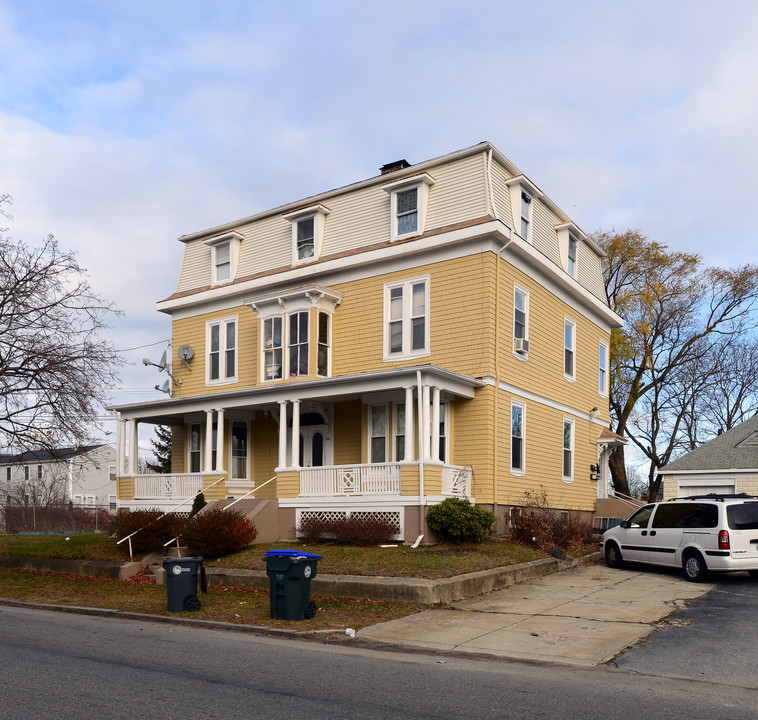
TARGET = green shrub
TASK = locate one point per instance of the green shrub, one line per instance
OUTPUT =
(358, 529)
(198, 504)
(154, 533)
(218, 532)
(459, 520)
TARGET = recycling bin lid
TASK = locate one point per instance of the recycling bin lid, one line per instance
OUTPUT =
(292, 554)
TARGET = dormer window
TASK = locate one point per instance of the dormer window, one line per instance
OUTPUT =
(224, 256)
(572, 256)
(526, 215)
(307, 232)
(523, 194)
(408, 202)
(569, 237)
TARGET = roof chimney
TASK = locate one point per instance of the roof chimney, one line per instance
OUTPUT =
(394, 166)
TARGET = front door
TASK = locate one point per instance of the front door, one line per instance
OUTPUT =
(314, 446)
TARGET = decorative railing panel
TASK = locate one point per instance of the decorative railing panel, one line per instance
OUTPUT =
(383, 479)
(160, 487)
(456, 481)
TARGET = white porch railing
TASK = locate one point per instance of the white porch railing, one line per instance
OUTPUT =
(161, 487)
(382, 479)
(456, 481)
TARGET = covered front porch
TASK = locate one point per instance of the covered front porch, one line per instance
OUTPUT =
(378, 439)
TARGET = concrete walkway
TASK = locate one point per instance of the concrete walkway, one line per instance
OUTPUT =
(584, 616)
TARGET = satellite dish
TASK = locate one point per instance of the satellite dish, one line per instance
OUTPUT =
(166, 388)
(185, 352)
(162, 363)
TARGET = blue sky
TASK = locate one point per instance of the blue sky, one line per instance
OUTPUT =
(125, 125)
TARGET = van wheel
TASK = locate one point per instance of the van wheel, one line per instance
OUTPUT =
(694, 566)
(613, 557)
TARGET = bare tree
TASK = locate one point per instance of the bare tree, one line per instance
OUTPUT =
(55, 367)
(676, 312)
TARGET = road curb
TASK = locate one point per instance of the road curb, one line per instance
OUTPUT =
(389, 589)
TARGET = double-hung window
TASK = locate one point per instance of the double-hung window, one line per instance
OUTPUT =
(517, 438)
(520, 321)
(572, 256)
(298, 343)
(377, 433)
(221, 339)
(569, 349)
(39, 472)
(406, 313)
(272, 347)
(568, 450)
(399, 431)
(239, 450)
(195, 447)
(408, 202)
(307, 232)
(224, 254)
(602, 374)
(526, 216)
(323, 340)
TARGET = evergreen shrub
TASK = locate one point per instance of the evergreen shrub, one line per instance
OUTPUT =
(459, 520)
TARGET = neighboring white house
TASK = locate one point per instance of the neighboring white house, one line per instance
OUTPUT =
(84, 475)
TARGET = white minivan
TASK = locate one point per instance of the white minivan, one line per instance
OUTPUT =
(699, 534)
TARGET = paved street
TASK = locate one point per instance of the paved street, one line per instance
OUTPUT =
(78, 667)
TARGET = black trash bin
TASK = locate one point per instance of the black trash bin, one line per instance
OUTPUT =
(181, 582)
(290, 573)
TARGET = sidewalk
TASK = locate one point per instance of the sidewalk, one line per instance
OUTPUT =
(584, 616)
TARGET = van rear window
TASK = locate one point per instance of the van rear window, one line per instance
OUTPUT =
(686, 515)
(743, 516)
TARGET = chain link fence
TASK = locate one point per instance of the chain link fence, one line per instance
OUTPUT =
(66, 517)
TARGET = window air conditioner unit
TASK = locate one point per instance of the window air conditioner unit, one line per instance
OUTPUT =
(521, 345)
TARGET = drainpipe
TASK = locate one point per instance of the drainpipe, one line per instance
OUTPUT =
(498, 257)
(421, 445)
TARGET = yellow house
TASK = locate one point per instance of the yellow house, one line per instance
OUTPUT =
(437, 330)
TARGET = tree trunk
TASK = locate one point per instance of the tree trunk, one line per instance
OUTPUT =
(618, 470)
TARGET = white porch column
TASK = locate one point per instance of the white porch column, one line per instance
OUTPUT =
(133, 447)
(295, 433)
(208, 454)
(409, 424)
(120, 445)
(282, 433)
(425, 421)
(219, 441)
(435, 449)
(602, 483)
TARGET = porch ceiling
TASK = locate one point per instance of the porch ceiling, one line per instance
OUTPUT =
(345, 387)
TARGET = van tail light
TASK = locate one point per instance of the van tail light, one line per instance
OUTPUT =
(724, 540)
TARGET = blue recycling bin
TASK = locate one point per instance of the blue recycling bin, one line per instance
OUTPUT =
(290, 573)
(181, 582)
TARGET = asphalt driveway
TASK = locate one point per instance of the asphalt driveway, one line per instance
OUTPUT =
(583, 616)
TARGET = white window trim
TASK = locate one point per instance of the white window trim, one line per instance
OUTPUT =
(516, 185)
(282, 347)
(370, 426)
(287, 345)
(520, 472)
(222, 323)
(407, 286)
(231, 451)
(523, 356)
(570, 377)
(233, 239)
(422, 182)
(318, 213)
(565, 232)
(328, 342)
(603, 391)
(572, 449)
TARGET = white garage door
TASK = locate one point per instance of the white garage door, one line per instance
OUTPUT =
(719, 486)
